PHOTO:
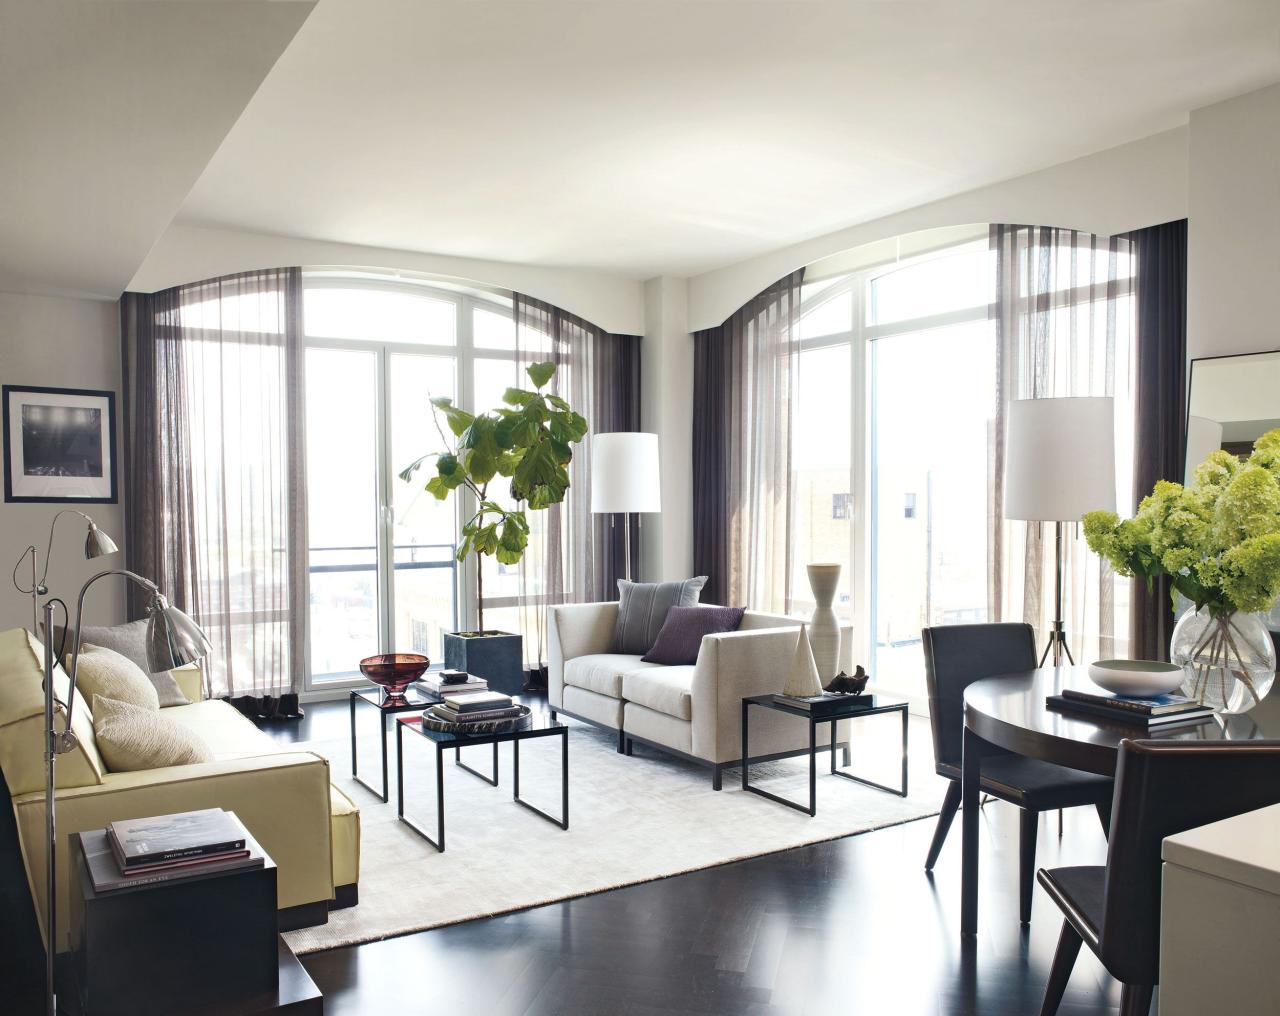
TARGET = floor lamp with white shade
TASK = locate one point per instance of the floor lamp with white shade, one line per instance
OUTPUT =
(1059, 463)
(625, 479)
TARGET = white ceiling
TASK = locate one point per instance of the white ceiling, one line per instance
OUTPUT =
(647, 137)
(110, 111)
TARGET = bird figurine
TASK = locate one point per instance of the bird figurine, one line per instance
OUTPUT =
(843, 684)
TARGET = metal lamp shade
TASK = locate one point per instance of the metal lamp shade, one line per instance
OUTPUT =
(624, 473)
(173, 639)
(98, 544)
(1060, 459)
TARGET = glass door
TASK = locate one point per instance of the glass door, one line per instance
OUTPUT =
(421, 530)
(342, 509)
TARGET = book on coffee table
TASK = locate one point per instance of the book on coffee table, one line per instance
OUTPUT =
(479, 701)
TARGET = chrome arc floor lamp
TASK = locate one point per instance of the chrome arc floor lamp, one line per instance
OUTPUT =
(173, 640)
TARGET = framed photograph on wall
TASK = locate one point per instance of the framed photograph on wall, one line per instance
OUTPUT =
(59, 444)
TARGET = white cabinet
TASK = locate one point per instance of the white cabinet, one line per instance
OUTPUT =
(1220, 918)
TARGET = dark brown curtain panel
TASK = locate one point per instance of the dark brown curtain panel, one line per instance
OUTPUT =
(574, 555)
(1160, 291)
(744, 373)
(214, 422)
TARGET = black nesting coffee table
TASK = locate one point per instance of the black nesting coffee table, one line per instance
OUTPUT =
(540, 725)
(830, 715)
(415, 699)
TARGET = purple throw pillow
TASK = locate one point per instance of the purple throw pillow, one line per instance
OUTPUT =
(681, 635)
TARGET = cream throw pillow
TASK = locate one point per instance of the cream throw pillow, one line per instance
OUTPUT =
(132, 738)
(105, 672)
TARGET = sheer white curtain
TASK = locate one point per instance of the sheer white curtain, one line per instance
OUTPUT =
(1065, 323)
(217, 474)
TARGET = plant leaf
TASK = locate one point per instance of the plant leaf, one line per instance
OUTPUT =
(540, 373)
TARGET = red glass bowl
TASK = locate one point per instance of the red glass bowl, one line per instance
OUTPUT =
(394, 672)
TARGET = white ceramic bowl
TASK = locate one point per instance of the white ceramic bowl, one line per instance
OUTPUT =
(1136, 678)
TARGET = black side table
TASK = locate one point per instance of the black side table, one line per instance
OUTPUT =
(203, 945)
(539, 726)
(416, 699)
(830, 715)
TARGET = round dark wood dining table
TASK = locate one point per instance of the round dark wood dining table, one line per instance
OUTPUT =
(1010, 713)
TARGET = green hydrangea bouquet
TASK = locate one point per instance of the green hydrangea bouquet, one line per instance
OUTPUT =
(1219, 543)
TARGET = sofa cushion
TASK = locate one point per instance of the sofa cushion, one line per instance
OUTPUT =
(344, 823)
(103, 671)
(227, 731)
(642, 610)
(130, 641)
(131, 738)
(662, 689)
(678, 643)
(22, 720)
(602, 673)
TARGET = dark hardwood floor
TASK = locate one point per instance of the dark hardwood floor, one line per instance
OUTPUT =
(850, 926)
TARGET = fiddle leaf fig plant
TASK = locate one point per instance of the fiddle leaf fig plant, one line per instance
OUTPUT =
(529, 440)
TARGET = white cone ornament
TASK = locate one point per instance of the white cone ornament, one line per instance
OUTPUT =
(802, 678)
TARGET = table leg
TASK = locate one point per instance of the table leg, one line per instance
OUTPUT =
(746, 754)
(905, 718)
(352, 705)
(970, 785)
(382, 735)
(562, 822)
(813, 767)
(901, 790)
(438, 841)
(491, 780)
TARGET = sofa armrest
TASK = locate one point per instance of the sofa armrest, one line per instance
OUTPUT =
(190, 680)
(283, 800)
(732, 666)
(573, 630)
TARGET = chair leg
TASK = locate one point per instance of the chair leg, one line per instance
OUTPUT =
(1135, 999)
(950, 804)
(1059, 823)
(1029, 825)
(1104, 816)
(1060, 973)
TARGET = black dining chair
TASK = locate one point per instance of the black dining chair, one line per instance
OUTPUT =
(955, 656)
(1162, 788)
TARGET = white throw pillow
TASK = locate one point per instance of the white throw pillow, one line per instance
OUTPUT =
(104, 672)
(132, 738)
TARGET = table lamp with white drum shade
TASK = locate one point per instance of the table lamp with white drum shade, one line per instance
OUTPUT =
(1059, 463)
(625, 479)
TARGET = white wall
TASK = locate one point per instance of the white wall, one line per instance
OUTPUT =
(61, 343)
(189, 253)
(1233, 255)
(1122, 188)
(666, 366)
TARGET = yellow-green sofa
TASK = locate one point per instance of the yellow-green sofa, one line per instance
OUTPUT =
(285, 798)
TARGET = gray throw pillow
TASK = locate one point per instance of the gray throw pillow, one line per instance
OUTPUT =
(130, 641)
(642, 610)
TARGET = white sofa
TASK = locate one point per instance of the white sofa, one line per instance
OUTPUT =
(691, 711)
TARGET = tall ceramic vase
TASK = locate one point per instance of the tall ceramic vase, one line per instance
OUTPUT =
(824, 629)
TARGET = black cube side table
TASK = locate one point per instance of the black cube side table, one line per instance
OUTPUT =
(416, 699)
(204, 944)
(832, 715)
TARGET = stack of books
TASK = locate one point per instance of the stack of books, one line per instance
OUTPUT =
(1159, 713)
(144, 851)
(827, 702)
(475, 706)
(435, 684)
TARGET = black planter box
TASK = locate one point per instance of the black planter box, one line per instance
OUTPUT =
(496, 656)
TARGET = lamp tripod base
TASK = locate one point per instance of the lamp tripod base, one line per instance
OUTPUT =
(1058, 645)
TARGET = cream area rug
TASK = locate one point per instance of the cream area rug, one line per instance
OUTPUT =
(631, 819)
